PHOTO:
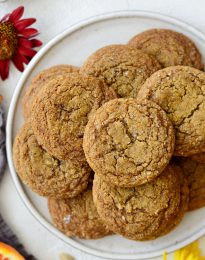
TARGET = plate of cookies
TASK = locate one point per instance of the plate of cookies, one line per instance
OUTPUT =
(106, 137)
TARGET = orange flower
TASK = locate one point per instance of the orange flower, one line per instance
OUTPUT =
(9, 253)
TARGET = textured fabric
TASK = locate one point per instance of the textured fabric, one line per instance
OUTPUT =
(2, 144)
(6, 235)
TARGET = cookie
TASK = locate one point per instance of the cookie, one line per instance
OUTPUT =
(61, 111)
(78, 216)
(199, 157)
(144, 212)
(180, 91)
(128, 142)
(37, 83)
(195, 174)
(170, 48)
(123, 68)
(45, 174)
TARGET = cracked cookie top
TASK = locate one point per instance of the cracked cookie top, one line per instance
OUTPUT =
(180, 91)
(45, 174)
(170, 48)
(128, 142)
(195, 174)
(144, 212)
(78, 216)
(61, 111)
(123, 68)
(37, 83)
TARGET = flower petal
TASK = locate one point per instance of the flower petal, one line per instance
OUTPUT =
(22, 24)
(30, 32)
(25, 42)
(22, 58)
(4, 17)
(4, 69)
(7, 65)
(16, 14)
(18, 62)
(26, 51)
(36, 43)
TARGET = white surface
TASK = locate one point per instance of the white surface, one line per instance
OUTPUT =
(116, 27)
(53, 17)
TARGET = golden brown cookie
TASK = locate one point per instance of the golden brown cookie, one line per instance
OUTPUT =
(128, 142)
(123, 68)
(78, 216)
(199, 157)
(195, 174)
(61, 111)
(39, 80)
(180, 91)
(45, 174)
(144, 212)
(170, 48)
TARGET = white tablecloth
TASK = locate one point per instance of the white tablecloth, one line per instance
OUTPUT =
(52, 18)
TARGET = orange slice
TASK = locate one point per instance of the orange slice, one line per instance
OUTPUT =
(9, 253)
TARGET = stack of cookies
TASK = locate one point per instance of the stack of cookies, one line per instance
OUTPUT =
(118, 145)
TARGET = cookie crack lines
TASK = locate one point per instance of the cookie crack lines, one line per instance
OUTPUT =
(191, 114)
(122, 67)
(182, 95)
(168, 47)
(42, 172)
(38, 83)
(117, 126)
(134, 213)
(62, 136)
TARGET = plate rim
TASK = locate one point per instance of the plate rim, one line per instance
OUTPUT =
(9, 128)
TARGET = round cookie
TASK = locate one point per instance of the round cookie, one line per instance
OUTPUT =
(123, 68)
(45, 174)
(128, 142)
(37, 83)
(78, 216)
(170, 48)
(199, 157)
(61, 111)
(144, 212)
(180, 91)
(195, 174)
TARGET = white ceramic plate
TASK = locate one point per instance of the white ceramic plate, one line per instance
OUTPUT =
(73, 46)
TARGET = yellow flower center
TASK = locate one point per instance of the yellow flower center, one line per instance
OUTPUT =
(8, 40)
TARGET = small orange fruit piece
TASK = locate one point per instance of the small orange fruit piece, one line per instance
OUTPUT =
(9, 253)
